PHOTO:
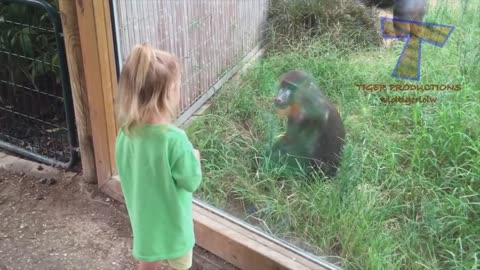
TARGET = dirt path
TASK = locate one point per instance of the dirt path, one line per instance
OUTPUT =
(63, 223)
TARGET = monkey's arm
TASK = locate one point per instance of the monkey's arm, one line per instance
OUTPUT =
(311, 103)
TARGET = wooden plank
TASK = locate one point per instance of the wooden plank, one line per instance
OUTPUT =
(241, 248)
(107, 60)
(97, 62)
(233, 243)
(255, 234)
(68, 12)
(110, 108)
(206, 261)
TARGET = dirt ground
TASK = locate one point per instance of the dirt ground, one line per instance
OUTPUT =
(63, 223)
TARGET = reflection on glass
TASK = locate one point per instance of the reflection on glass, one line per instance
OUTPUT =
(406, 193)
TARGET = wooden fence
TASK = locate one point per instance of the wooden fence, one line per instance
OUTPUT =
(208, 36)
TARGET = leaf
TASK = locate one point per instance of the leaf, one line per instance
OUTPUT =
(55, 60)
(26, 42)
(39, 69)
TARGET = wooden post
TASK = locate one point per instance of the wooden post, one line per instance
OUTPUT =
(96, 42)
(68, 14)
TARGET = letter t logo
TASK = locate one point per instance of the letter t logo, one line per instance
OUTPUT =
(408, 65)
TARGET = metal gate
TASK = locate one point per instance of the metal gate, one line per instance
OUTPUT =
(211, 38)
(36, 108)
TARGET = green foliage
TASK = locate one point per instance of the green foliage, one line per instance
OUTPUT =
(408, 191)
(27, 42)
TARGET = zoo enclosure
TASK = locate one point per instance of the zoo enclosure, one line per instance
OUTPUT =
(37, 118)
(210, 38)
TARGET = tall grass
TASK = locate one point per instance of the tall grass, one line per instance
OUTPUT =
(292, 23)
(408, 192)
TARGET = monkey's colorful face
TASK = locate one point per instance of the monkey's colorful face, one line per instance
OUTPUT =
(284, 95)
(282, 100)
(289, 84)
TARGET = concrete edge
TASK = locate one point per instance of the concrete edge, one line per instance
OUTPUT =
(30, 168)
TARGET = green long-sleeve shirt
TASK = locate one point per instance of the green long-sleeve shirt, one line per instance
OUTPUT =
(158, 173)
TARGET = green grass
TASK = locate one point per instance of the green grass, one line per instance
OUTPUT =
(407, 196)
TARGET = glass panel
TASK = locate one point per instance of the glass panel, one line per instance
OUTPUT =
(406, 192)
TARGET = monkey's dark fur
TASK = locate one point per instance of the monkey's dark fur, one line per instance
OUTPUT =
(315, 133)
(406, 10)
(413, 10)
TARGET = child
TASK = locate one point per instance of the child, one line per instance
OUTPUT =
(158, 167)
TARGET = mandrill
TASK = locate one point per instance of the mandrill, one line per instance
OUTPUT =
(315, 133)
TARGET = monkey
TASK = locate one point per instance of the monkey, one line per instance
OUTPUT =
(315, 134)
(411, 10)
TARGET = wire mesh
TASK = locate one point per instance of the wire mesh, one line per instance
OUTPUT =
(32, 105)
(208, 36)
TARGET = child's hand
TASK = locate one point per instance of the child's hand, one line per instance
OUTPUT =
(197, 154)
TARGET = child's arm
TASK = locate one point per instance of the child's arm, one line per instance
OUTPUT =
(186, 169)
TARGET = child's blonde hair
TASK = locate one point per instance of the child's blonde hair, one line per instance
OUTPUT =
(147, 81)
